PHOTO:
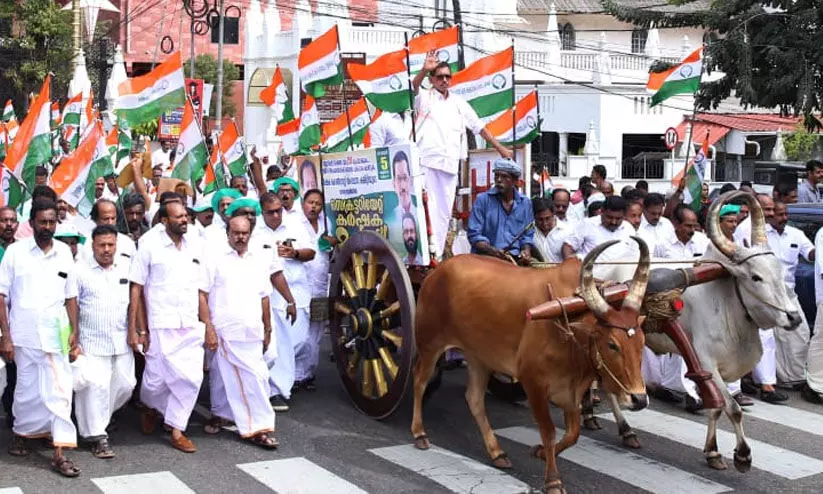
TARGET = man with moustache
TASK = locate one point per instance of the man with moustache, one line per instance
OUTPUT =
(102, 286)
(165, 276)
(410, 240)
(39, 330)
(236, 290)
(610, 226)
(8, 228)
(134, 223)
(104, 212)
(550, 232)
(8, 375)
(561, 199)
(287, 190)
(220, 202)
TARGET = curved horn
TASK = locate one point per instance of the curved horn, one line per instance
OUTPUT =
(722, 243)
(593, 299)
(758, 219)
(634, 299)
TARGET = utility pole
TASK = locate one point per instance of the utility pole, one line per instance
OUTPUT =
(219, 88)
(77, 34)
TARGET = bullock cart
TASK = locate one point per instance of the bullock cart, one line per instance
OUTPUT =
(374, 274)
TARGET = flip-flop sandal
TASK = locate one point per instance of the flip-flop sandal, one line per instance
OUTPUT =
(213, 426)
(65, 467)
(264, 441)
(101, 449)
(17, 447)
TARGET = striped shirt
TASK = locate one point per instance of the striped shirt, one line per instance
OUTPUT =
(103, 300)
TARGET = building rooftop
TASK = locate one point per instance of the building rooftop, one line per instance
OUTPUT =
(595, 6)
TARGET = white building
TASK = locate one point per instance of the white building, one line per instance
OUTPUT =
(589, 68)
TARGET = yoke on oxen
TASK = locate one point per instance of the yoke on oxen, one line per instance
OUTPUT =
(661, 306)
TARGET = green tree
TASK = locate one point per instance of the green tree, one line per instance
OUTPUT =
(205, 67)
(771, 57)
(37, 40)
(800, 144)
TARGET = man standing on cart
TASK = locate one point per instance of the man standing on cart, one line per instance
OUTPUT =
(442, 119)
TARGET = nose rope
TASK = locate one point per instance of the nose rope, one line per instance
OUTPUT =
(597, 361)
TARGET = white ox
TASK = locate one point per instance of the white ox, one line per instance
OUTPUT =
(722, 318)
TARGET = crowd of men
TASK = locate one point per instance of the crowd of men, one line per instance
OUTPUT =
(572, 224)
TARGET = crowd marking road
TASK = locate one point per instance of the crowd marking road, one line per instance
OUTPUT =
(298, 476)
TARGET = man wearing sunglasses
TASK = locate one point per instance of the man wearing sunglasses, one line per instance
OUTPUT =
(442, 119)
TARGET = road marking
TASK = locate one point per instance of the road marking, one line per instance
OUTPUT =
(140, 483)
(621, 464)
(454, 472)
(11, 490)
(298, 476)
(772, 459)
(809, 422)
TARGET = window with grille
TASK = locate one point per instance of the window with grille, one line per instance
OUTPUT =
(567, 37)
(639, 40)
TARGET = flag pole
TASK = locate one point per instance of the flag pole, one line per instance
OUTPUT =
(411, 92)
(514, 104)
(343, 91)
(691, 122)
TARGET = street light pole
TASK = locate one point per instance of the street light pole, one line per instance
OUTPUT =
(219, 88)
(77, 34)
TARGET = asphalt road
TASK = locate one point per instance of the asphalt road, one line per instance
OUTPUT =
(328, 447)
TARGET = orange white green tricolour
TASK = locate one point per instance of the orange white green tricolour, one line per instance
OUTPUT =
(192, 154)
(289, 133)
(309, 126)
(32, 146)
(683, 78)
(214, 176)
(444, 43)
(520, 128)
(384, 82)
(319, 64)
(487, 84)
(234, 153)
(336, 133)
(276, 97)
(71, 120)
(74, 179)
(145, 97)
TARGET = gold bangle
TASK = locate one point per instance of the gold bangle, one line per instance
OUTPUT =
(142, 333)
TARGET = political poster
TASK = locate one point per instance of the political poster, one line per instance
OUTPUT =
(170, 122)
(374, 190)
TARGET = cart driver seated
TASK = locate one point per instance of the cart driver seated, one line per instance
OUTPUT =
(502, 221)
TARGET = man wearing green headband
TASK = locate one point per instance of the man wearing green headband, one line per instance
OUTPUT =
(288, 190)
(728, 220)
(220, 202)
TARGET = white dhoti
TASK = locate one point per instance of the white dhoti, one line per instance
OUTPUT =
(290, 341)
(733, 387)
(765, 372)
(42, 397)
(441, 188)
(173, 374)
(110, 382)
(792, 347)
(652, 367)
(674, 376)
(306, 361)
(814, 359)
(239, 386)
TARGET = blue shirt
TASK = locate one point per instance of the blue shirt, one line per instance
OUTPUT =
(489, 221)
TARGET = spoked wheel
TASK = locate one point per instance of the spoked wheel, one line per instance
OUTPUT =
(506, 388)
(372, 324)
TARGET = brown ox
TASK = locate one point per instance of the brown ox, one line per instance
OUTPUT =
(478, 304)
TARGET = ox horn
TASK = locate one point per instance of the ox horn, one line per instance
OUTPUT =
(757, 218)
(634, 299)
(719, 240)
(588, 290)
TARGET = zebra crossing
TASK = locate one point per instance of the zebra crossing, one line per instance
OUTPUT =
(448, 468)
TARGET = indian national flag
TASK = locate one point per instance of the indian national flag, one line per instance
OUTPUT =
(336, 132)
(695, 172)
(32, 146)
(683, 78)
(319, 64)
(192, 155)
(123, 145)
(56, 119)
(111, 142)
(146, 97)
(276, 97)
(71, 120)
(444, 43)
(487, 84)
(309, 126)
(88, 117)
(384, 82)
(520, 127)
(74, 179)
(12, 192)
(234, 153)
(8, 111)
(214, 177)
(367, 138)
(289, 132)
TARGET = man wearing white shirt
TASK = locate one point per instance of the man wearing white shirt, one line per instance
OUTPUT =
(812, 390)
(102, 286)
(38, 322)
(165, 276)
(104, 212)
(236, 289)
(162, 157)
(668, 372)
(388, 130)
(441, 141)
(654, 228)
(287, 191)
(611, 226)
(220, 202)
(550, 233)
(561, 199)
(293, 246)
(789, 349)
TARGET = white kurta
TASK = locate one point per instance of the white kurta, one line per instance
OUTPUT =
(318, 273)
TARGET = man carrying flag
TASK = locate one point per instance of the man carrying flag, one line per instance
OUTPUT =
(441, 141)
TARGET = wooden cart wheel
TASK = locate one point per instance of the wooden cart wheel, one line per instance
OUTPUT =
(372, 323)
(506, 388)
